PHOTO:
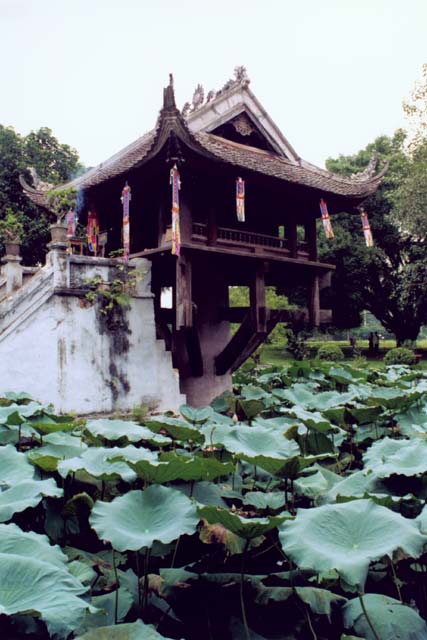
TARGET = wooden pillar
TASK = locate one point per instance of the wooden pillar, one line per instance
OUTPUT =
(311, 238)
(257, 299)
(314, 301)
(183, 293)
(212, 227)
(291, 234)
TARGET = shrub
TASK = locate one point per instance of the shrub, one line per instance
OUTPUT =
(400, 355)
(330, 352)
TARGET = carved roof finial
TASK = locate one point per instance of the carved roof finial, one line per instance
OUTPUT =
(169, 95)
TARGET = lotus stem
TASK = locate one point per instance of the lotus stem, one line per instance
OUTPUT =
(368, 620)
(138, 574)
(174, 553)
(116, 601)
(310, 624)
(146, 563)
(242, 600)
(396, 580)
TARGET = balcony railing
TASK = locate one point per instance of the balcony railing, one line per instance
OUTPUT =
(247, 240)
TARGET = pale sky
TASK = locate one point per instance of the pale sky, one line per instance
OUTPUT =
(331, 73)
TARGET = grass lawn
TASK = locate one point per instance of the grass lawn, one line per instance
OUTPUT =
(277, 355)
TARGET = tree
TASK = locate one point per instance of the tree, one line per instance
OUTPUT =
(53, 161)
(389, 279)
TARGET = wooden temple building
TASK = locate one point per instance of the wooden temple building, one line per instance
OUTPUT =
(213, 142)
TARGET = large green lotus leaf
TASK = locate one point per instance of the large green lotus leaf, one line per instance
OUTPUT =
(312, 419)
(404, 457)
(391, 619)
(29, 585)
(82, 571)
(258, 445)
(196, 416)
(345, 375)
(131, 631)
(33, 545)
(45, 424)
(413, 422)
(17, 397)
(393, 398)
(282, 423)
(355, 485)
(252, 408)
(421, 521)
(174, 467)
(105, 604)
(253, 392)
(138, 518)
(104, 463)
(177, 429)
(5, 412)
(113, 430)
(14, 466)
(347, 537)
(274, 500)
(202, 492)
(360, 414)
(27, 493)
(319, 600)
(247, 528)
(298, 394)
(316, 484)
(57, 446)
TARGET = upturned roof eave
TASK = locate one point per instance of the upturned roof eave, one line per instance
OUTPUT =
(172, 123)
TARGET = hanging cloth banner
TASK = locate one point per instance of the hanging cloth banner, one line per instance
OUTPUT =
(71, 220)
(240, 199)
(366, 228)
(126, 198)
(92, 231)
(175, 181)
(327, 225)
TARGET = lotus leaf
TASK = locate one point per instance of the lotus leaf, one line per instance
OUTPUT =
(404, 457)
(311, 419)
(106, 609)
(196, 416)
(138, 518)
(319, 600)
(28, 544)
(132, 631)
(356, 485)
(260, 500)
(177, 429)
(45, 424)
(267, 448)
(104, 463)
(393, 398)
(27, 493)
(82, 571)
(30, 585)
(203, 492)
(14, 466)
(174, 467)
(391, 619)
(122, 429)
(57, 446)
(247, 528)
(346, 537)
(413, 422)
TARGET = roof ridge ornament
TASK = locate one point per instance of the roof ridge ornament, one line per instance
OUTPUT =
(369, 170)
(240, 79)
(169, 95)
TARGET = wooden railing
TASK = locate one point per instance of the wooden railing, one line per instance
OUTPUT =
(227, 236)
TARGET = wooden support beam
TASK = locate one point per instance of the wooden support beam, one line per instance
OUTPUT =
(311, 238)
(212, 227)
(183, 292)
(291, 236)
(314, 301)
(257, 298)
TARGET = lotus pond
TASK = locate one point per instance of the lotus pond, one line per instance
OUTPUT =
(291, 508)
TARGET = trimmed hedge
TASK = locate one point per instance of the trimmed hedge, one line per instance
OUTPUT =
(331, 352)
(400, 355)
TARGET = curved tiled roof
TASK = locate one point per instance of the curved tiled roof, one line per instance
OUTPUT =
(171, 121)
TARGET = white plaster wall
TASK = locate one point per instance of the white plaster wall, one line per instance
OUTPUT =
(53, 346)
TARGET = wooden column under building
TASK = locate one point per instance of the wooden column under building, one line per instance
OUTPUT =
(314, 300)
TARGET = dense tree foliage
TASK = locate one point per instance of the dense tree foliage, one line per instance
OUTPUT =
(53, 161)
(389, 279)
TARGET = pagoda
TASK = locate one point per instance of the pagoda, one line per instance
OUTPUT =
(213, 144)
